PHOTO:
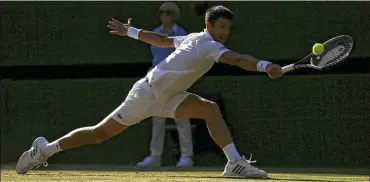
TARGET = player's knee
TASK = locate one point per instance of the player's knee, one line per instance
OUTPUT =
(106, 129)
(216, 112)
(211, 111)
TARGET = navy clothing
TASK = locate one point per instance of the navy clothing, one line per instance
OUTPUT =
(158, 53)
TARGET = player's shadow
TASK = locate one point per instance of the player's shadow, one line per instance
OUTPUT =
(118, 168)
(363, 171)
(243, 178)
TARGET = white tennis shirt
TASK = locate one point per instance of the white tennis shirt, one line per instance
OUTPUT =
(195, 54)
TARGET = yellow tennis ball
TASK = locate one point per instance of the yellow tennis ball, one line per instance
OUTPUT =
(318, 49)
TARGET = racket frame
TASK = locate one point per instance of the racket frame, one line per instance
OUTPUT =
(310, 56)
(299, 64)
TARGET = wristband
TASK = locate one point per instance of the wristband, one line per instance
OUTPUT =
(262, 65)
(133, 33)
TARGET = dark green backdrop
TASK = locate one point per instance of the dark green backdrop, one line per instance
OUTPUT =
(296, 120)
(49, 33)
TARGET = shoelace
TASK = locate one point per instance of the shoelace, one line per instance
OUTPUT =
(250, 160)
(37, 164)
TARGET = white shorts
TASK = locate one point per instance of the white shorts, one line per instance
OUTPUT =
(141, 103)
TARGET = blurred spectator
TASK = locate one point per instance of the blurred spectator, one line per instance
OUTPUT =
(169, 15)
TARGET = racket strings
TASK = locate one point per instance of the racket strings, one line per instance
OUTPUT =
(334, 55)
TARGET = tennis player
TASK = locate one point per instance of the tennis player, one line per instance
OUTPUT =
(162, 93)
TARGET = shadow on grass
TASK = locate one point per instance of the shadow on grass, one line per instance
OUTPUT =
(112, 168)
(241, 178)
(190, 177)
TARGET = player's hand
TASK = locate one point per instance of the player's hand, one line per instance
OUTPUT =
(118, 28)
(274, 71)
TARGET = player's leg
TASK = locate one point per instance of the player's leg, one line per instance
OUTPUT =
(99, 133)
(195, 106)
(186, 142)
(156, 144)
(41, 149)
(130, 112)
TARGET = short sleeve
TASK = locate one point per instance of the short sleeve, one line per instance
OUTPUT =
(178, 40)
(215, 50)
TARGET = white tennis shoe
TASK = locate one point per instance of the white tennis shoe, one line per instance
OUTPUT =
(185, 161)
(150, 161)
(32, 158)
(243, 168)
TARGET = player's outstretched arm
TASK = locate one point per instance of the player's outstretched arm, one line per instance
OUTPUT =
(251, 63)
(153, 38)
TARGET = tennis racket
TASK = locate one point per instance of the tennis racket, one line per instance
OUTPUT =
(336, 50)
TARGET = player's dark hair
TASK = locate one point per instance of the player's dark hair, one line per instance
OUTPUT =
(216, 12)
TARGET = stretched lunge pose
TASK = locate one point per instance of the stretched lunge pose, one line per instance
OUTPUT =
(162, 93)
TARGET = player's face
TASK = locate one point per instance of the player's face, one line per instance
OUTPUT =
(220, 29)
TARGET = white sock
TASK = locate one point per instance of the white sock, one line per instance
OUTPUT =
(231, 153)
(51, 148)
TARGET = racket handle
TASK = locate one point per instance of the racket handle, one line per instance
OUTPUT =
(288, 68)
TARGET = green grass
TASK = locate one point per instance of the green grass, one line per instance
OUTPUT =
(119, 173)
